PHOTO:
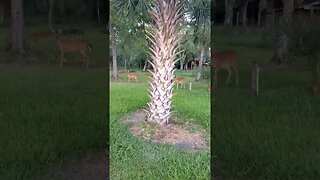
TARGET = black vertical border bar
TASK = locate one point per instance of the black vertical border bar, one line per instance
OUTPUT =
(211, 90)
(108, 90)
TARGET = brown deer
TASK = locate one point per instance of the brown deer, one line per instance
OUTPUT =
(40, 36)
(180, 80)
(226, 59)
(132, 76)
(80, 46)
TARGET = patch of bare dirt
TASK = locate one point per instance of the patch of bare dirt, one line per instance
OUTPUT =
(93, 166)
(174, 133)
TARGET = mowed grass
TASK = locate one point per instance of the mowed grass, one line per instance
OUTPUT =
(272, 136)
(135, 158)
(48, 114)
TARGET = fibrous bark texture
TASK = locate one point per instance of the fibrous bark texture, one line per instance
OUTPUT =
(164, 38)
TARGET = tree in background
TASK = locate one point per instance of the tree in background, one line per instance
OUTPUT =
(17, 27)
(229, 4)
(113, 21)
(136, 11)
(200, 15)
(262, 6)
(281, 49)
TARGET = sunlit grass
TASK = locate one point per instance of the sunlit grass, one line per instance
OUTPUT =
(134, 158)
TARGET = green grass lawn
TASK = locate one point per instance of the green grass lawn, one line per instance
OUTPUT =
(135, 158)
(48, 114)
(272, 136)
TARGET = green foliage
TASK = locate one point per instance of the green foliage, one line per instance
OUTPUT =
(206, 73)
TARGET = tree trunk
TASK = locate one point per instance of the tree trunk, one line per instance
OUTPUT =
(228, 12)
(17, 26)
(281, 49)
(98, 12)
(165, 37)
(50, 15)
(145, 65)
(237, 20)
(1, 13)
(262, 6)
(114, 53)
(259, 17)
(244, 15)
(198, 78)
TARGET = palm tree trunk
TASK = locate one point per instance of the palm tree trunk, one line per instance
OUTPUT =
(114, 53)
(165, 39)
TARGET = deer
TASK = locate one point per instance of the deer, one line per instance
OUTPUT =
(80, 46)
(132, 76)
(180, 80)
(225, 59)
(40, 36)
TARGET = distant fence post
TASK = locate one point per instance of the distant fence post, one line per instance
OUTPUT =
(255, 78)
(190, 85)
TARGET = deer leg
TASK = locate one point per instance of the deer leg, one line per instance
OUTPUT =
(137, 79)
(229, 76)
(236, 71)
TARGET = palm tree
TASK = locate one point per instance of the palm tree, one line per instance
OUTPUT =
(164, 38)
(200, 14)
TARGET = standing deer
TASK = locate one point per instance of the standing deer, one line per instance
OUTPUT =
(180, 80)
(77, 45)
(40, 36)
(132, 76)
(225, 59)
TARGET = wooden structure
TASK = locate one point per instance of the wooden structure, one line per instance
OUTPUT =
(307, 9)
